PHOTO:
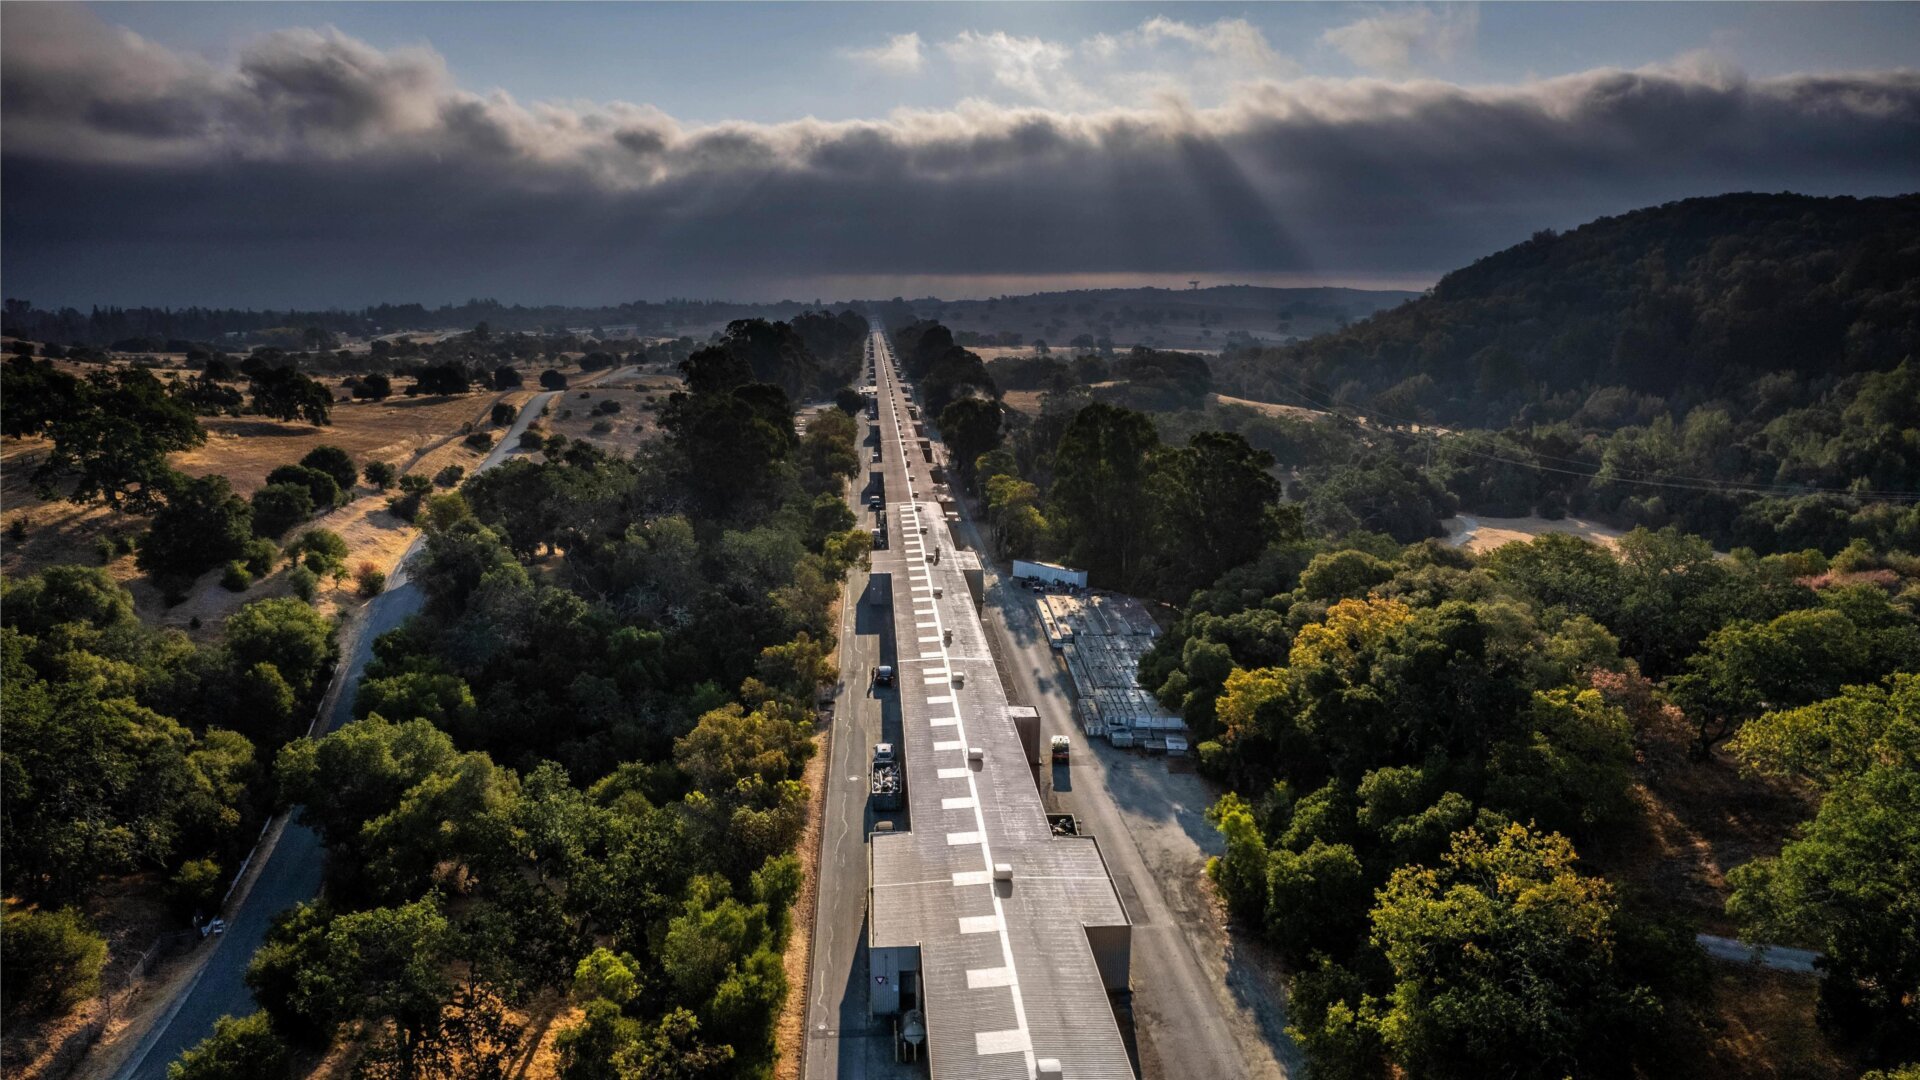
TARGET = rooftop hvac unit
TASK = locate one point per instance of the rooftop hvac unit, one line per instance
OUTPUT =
(1048, 1069)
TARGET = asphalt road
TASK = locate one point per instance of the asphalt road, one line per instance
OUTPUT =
(290, 871)
(842, 1039)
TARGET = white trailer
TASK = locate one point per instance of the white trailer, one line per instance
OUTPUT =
(1050, 573)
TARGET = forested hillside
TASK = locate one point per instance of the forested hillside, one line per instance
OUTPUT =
(1688, 302)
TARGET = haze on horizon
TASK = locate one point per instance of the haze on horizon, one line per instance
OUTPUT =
(321, 155)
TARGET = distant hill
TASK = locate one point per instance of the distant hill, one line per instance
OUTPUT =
(1209, 319)
(1686, 302)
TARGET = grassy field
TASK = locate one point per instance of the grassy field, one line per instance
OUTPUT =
(420, 435)
(639, 395)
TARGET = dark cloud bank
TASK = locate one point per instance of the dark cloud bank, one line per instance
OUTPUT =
(320, 170)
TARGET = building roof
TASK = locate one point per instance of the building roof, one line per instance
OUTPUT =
(1007, 971)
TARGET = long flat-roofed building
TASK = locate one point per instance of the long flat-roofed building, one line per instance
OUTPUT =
(1007, 937)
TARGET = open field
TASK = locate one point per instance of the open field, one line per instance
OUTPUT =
(1287, 412)
(1480, 534)
(246, 448)
(639, 397)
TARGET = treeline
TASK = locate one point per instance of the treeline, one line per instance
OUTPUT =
(1151, 380)
(148, 329)
(1415, 740)
(1749, 472)
(578, 768)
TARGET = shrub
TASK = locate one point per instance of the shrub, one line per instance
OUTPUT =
(371, 579)
(306, 583)
(17, 529)
(503, 414)
(380, 474)
(237, 577)
(321, 486)
(335, 462)
(607, 407)
(106, 549)
(49, 961)
(279, 507)
(480, 440)
(552, 380)
(322, 551)
(532, 440)
(602, 427)
(450, 476)
(413, 488)
(260, 556)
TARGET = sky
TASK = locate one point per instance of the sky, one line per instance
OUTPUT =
(313, 155)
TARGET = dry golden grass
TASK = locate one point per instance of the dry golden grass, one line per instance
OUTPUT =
(131, 914)
(1762, 1028)
(245, 449)
(421, 435)
(571, 413)
(790, 1027)
(1023, 401)
(1486, 533)
(1288, 412)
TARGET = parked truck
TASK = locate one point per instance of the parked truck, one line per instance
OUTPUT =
(887, 786)
(1049, 573)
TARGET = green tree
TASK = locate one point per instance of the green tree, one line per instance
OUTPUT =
(37, 393)
(284, 393)
(320, 485)
(202, 525)
(239, 1049)
(1340, 575)
(113, 442)
(1215, 509)
(1504, 963)
(1796, 659)
(730, 744)
(322, 551)
(1241, 873)
(970, 427)
(1101, 472)
(1848, 884)
(360, 772)
(380, 474)
(287, 634)
(279, 507)
(335, 462)
(50, 961)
